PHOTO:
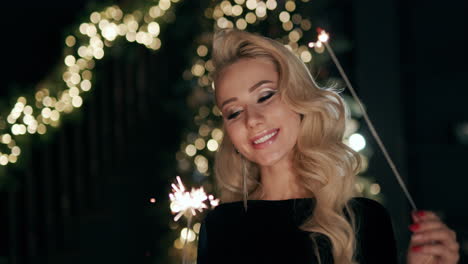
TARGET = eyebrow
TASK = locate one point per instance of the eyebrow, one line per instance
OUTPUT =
(251, 89)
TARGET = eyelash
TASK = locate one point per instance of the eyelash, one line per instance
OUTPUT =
(260, 100)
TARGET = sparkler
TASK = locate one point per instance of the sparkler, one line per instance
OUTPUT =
(188, 203)
(323, 38)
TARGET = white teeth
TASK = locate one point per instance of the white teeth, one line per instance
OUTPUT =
(265, 138)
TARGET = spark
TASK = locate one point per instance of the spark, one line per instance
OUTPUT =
(183, 202)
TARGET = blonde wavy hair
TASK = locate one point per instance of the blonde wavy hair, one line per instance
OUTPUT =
(325, 165)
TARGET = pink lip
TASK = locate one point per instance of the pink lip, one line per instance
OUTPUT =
(266, 143)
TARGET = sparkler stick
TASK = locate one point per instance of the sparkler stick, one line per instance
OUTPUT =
(184, 254)
(323, 39)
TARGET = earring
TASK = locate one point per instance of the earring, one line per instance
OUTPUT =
(236, 150)
(244, 180)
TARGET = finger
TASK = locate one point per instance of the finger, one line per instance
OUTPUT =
(423, 215)
(443, 236)
(434, 231)
(427, 225)
(439, 251)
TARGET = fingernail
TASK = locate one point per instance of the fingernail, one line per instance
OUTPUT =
(414, 227)
(416, 248)
(420, 213)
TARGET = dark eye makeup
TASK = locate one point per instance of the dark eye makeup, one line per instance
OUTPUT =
(260, 100)
(266, 97)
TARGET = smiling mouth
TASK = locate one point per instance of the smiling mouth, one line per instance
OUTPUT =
(266, 138)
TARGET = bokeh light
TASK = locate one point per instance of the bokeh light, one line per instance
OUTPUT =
(357, 142)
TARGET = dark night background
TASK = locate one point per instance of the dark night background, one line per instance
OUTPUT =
(82, 194)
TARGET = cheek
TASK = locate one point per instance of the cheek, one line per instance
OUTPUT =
(292, 121)
(234, 132)
(284, 112)
(295, 125)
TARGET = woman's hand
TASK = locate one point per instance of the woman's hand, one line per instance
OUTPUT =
(432, 242)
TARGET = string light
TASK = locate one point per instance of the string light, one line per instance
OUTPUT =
(102, 29)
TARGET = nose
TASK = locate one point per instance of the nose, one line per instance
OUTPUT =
(254, 116)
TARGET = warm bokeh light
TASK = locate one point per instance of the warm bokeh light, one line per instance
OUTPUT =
(237, 10)
(306, 56)
(202, 50)
(212, 145)
(70, 41)
(204, 130)
(261, 9)
(200, 143)
(70, 60)
(85, 85)
(3, 159)
(178, 244)
(271, 4)
(95, 17)
(290, 6)
(284, 16)
(196, 227)
(288, 25)
(241, 24)
(187, 234)
(6, 138)
(357, 142)
(251, 4)
(374, 189)
(250, 18)
(217, 134)
(202, 163)
(198, 70)
(190, 150)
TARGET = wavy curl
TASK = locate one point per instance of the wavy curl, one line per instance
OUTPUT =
(325, 165)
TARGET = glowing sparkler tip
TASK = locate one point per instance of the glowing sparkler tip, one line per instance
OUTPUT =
(323, 36)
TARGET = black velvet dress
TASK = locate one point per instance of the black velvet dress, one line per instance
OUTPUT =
(268, 233)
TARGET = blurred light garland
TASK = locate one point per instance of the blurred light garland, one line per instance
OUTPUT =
(84, 47)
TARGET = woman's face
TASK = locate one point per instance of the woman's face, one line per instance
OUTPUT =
(262, 128)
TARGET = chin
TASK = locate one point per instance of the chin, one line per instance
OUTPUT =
(271, 160)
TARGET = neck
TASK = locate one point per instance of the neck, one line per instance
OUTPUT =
(281, 182)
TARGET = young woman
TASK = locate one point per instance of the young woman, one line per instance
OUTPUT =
(285, 177)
